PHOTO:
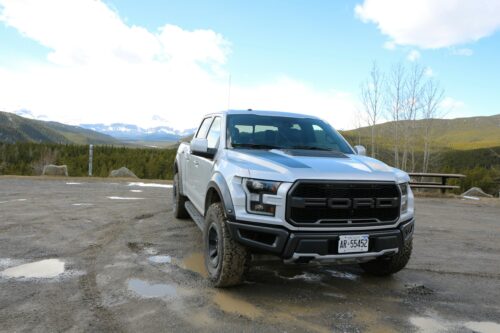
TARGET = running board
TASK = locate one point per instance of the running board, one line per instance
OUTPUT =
(195, 215)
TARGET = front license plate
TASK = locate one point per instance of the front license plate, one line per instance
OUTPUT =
(353, 243)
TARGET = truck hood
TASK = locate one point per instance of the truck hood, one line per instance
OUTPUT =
(290, 165)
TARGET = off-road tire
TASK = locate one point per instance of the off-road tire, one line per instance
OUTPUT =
(390, 265)
(179, 200)
(229, 266)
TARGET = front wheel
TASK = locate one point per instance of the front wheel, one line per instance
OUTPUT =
(179, 200)
(387, 266)
(225, 259)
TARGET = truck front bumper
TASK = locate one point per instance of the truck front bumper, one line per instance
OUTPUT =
(293, 246)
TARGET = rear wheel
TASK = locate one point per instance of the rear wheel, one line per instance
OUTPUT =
(179, 209)
(225, 259)
(387, 266)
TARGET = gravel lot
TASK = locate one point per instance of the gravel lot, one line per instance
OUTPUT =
(109, 256)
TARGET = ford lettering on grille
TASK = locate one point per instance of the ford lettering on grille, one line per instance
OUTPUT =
(346, 203)
(322, 203)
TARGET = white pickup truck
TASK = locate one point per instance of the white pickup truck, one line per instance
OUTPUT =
(290, 185)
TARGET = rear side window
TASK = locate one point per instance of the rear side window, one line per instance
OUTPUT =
(203, 129)
(214, 133)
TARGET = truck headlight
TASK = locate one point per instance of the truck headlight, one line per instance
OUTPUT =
(404, 197)
(255, 189)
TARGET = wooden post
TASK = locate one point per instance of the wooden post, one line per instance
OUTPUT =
(91, 157)
(443, 182)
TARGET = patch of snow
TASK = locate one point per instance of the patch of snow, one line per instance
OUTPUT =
(124, 198)
(136, 191)
(73, 183)
(15, 200)
(48, 268)
(470, 198)
(483, 326)
(150, 185)
(160, 259)
(436, 324)
(82, 204)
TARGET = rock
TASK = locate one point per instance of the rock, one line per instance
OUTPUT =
(476, 192)
(123, 172)
(55, 170)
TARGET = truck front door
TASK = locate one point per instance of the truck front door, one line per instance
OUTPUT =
(191, 179)
(205, 165)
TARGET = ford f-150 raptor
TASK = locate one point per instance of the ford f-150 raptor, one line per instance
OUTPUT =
(289, 185)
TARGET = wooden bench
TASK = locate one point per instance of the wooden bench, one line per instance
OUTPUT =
(436, 185)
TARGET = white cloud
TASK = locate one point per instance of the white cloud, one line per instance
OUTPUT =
(431, 23)
(338, 108)
(389, 45)
(99, 69)
(428, 72)
(451, 104)
(413, 55)
(463, 52)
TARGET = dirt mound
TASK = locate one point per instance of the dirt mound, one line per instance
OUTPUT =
(476, 192)
(123, 172)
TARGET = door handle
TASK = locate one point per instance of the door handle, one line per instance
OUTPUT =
(196, 163)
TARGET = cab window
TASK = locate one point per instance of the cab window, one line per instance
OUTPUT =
(202, 130)
(214, 133)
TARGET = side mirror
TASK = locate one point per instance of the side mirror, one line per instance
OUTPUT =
(199, 147)
(360, 150)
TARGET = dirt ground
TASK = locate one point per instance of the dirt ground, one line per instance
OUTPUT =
(109, 256)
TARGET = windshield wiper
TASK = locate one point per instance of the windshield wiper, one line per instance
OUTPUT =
(310, 148)
(255, 146)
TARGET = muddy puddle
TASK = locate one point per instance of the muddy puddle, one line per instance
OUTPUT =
(231, 304)
(195, 263)
(48, 268)
(148, 290)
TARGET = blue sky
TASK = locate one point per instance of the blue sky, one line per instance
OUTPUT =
(320, 50)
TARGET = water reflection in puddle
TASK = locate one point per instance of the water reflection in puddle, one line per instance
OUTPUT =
(48, 268)
(160, 259)
(147, 290)
(342, 275)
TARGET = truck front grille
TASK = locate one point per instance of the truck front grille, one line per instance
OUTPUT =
(328, 203)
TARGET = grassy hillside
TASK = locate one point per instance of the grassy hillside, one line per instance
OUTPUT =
(459, 133)
(14, 128)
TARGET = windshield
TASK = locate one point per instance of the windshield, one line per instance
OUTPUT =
(275, 132)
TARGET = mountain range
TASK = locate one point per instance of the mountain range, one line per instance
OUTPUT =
(459, 133)
(14, 128)
(128, 132)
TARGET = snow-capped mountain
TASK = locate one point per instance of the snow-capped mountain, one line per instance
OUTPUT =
(30, 115)
(133, 132)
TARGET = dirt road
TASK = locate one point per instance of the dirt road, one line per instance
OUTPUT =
(104, 255)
